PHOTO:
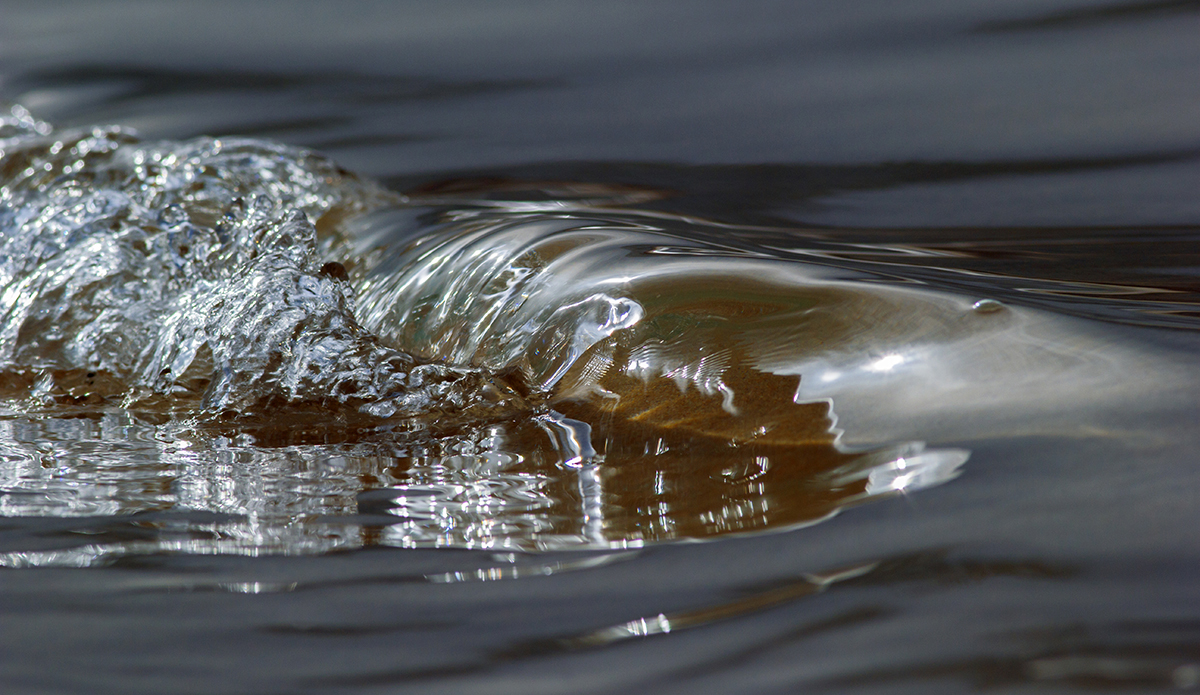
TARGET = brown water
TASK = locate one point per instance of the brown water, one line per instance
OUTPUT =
(894, 308)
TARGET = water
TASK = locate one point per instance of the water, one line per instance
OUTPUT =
(893, 307)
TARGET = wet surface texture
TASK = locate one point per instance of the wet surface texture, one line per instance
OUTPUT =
(562, 348)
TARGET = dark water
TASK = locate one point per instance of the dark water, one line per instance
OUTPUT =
(892, 305)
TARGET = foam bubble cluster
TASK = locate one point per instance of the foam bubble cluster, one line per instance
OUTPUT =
(192, 272)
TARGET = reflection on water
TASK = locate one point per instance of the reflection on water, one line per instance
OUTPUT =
(86, 490)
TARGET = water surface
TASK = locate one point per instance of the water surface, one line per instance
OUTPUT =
(892, 307)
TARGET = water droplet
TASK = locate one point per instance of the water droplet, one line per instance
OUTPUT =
(987, 306)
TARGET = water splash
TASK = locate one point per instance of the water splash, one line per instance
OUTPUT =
(190, 272)
(592, 379)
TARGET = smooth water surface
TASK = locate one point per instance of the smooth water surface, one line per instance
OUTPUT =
(569, 348)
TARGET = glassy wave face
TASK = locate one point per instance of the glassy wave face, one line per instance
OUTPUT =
(234, 346)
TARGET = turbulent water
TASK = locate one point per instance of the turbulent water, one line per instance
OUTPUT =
(563, 375)
(616, 383)
(835, 350)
